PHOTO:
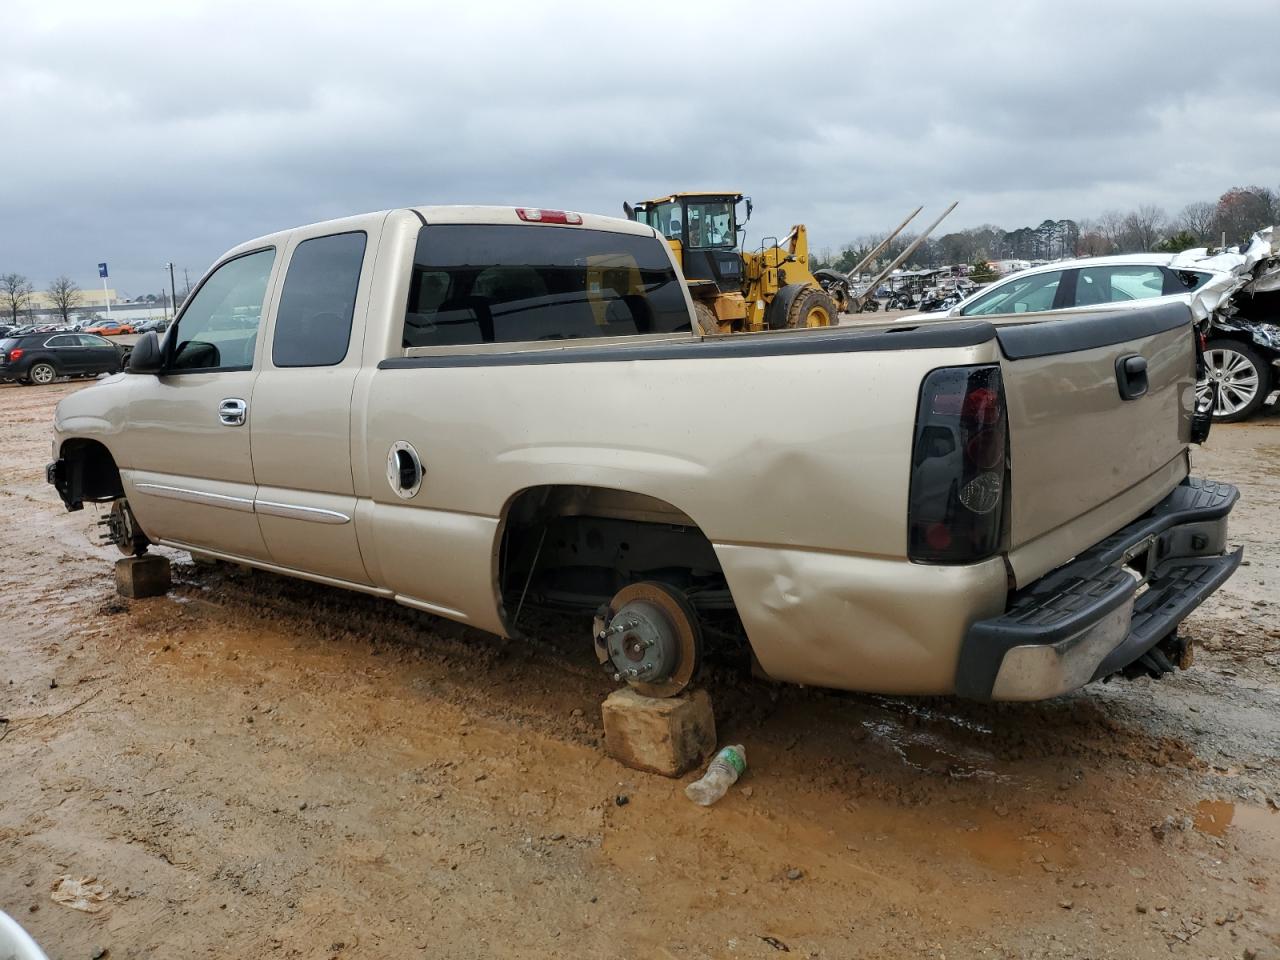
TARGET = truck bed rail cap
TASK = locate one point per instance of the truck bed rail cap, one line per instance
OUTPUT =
(934, 335)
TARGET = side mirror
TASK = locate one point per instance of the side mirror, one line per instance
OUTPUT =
(146, 356)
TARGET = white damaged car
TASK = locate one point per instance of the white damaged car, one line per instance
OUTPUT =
(1235, 293)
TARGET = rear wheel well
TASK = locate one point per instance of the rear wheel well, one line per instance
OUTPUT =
(91, 473)
(574, 547)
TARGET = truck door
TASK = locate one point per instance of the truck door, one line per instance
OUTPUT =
(189, 476)
(301, 432)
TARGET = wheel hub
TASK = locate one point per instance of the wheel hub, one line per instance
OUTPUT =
(648, 636)
(122, 530)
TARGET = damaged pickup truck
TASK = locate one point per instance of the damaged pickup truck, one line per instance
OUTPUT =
(475, 411)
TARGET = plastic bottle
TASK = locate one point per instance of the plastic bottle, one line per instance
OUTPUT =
(722, 773)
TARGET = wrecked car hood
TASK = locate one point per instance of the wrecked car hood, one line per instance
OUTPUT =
(1255, 269)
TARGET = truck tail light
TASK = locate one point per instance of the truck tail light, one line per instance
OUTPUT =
(535, 215)
(959, 467)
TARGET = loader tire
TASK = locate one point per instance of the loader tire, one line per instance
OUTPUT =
(708, 325)
(799, 306)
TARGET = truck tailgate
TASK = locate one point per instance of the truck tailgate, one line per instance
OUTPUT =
(1090, 449)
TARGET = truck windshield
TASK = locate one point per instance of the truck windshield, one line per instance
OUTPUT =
(711, 225)
(496, 283)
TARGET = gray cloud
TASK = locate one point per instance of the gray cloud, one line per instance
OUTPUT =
(140, 132)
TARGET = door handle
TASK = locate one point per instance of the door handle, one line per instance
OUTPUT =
(231, 412)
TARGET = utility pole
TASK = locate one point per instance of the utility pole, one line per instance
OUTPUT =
(173, 289)
(187, 277)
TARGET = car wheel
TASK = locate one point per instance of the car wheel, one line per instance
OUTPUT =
(1242, 378)
(42, 373)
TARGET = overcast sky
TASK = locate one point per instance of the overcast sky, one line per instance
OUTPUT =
(142, 132)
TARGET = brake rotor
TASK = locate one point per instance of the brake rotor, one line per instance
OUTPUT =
(123, 531)
(649, 636)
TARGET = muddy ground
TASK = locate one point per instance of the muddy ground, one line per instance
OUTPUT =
(253, 766)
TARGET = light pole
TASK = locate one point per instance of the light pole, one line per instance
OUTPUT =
(173, 290)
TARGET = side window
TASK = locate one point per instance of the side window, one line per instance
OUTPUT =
(1027, 294)
(1118, 284)
(313, 321)
(61, 342)
(666, 218)
(89, 340)
(219, 328)
(1187, 280)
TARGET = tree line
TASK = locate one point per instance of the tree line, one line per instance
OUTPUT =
(1237, 214)
(17, 295)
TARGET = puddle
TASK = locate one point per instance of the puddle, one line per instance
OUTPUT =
(930, 753)
(1214, 816)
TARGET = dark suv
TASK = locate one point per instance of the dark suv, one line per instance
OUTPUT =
(43, 357)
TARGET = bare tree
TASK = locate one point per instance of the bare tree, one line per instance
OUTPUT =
(15, 294)
(1197, 219)
(1092, 243)
(1142, 227)
(65, 296)
(1111, 225)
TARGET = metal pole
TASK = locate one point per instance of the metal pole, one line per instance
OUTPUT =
(884, 243)
(173, 290)
(106, 296)
(907, 252)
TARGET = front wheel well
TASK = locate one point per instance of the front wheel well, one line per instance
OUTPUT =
(89, 473)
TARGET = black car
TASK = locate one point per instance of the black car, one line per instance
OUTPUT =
(43, 357)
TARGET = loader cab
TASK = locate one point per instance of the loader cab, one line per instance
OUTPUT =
(702, 229)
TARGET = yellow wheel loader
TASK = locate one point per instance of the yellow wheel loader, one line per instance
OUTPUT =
(735, 289)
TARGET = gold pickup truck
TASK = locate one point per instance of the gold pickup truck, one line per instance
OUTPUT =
(475, 411)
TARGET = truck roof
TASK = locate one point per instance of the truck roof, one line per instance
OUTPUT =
(455, 213)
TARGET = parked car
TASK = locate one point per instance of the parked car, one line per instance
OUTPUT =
(146, 326)
(475, 411)
(1242, 352)
(111, 328)
(43, 357)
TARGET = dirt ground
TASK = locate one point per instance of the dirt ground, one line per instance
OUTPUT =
(254, 766)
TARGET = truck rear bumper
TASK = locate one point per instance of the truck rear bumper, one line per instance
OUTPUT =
(1109, 606)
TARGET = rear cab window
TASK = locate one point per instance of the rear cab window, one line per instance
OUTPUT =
(500, 283)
